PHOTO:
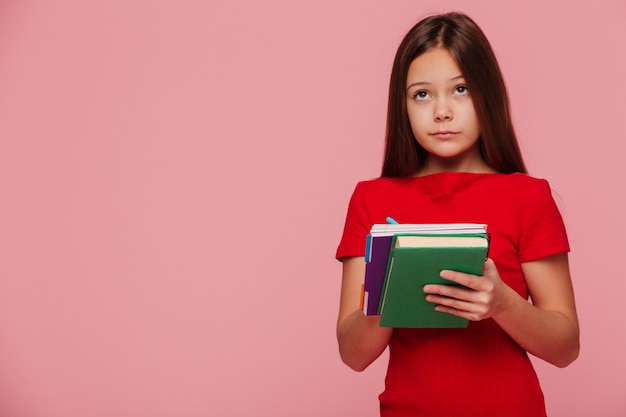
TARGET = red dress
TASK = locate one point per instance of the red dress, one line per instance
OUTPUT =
(480, 370)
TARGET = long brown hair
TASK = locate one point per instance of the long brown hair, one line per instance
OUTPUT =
(468, 45)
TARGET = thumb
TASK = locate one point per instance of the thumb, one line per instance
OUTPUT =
(490, 267)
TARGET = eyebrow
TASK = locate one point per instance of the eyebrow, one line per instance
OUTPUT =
(420, 83)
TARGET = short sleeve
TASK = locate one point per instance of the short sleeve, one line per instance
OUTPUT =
(542, 231)
(356, 227)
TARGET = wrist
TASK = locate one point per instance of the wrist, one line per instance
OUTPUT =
(508, 300)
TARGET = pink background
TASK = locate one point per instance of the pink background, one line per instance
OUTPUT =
(173, 184)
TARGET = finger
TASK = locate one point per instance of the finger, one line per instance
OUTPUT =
(447, 292)
(458, 307)
(467, 280)
(452, 276)
(469, 315)
(490, 267)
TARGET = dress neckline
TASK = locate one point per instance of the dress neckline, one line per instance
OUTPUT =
(454, 182)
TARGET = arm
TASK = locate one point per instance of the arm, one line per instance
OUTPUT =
(361, 339)
(548, 328)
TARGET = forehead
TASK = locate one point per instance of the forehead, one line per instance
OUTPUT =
(434, 66)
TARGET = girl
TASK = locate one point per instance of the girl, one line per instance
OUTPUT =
(452, 156)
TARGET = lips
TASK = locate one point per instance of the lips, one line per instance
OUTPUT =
(444, 134)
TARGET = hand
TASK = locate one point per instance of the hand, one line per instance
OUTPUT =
(483, 297)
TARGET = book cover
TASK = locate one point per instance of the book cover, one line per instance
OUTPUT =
(376, 258)
(378, 248)
(415, 261)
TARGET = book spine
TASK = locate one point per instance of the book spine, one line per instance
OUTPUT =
(375, 270)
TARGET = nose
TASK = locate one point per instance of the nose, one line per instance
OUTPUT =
(443, 112)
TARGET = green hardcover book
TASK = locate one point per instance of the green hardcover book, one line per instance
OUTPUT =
(417, 260)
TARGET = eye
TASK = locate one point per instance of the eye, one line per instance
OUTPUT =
(461, 90)
(421, 95)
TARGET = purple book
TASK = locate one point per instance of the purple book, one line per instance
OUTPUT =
(376, 258)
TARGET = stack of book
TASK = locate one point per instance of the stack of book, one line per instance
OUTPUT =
(402, 258)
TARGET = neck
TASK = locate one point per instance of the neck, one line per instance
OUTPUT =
(437, 165)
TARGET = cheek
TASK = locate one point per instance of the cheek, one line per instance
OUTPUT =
(472, 118)
(476, 125)
(418, 120)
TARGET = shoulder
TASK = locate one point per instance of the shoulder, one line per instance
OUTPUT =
(381, 187)
(523, 194)
(518, 182)
(532, 199)
(527, 180)
(382, 184)
(373, 200)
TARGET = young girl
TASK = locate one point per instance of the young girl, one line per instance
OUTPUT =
(452, 157)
